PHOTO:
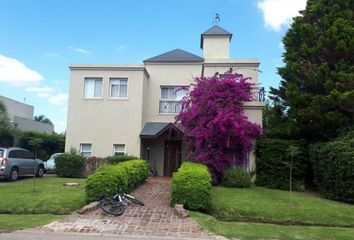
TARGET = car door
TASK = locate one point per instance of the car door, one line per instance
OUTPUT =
(15, 160)
(31, 163)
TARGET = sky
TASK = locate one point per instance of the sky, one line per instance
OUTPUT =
(40, 39)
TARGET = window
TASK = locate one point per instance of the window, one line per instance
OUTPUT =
(85, 150)
(170, 99)
(118, 88)
(93, 87)
(118, 149)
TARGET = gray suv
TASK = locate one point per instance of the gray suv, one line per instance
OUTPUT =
(18, 161)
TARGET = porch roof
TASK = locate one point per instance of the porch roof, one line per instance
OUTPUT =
(155, 129)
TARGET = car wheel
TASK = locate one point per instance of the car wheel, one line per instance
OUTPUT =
(40, 171)
(13, 175)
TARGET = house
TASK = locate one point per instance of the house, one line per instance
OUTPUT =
(21, 116)
(130, 108)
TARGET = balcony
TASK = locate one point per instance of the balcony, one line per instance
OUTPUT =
(258, 94)
(170, 106)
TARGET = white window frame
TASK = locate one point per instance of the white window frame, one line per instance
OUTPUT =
(93, 78)
(118, 152)
(110, 87)
(170, 100)
(81, 149)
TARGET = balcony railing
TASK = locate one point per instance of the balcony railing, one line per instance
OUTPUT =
(174, 106)
(170, 106)
(258, 94)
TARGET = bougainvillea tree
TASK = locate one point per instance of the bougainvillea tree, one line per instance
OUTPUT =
(215, 126)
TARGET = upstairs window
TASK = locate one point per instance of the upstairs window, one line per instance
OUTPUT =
(170, 99)
(118, 88)
(93, 87)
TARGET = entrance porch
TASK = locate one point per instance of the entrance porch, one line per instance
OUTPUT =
(162, 147)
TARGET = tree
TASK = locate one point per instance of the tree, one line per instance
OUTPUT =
(6, 130)
(316, 95)
(216, 128)
(42, 119)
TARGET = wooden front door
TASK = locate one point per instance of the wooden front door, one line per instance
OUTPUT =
(173, 156)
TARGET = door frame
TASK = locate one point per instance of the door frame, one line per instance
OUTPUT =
(167, 162)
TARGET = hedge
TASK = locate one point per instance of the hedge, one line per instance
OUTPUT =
(273, 164)
(70, 164)
(334, 168)
(119, 158)
(191, 186)
(237, 177)
(110, 179)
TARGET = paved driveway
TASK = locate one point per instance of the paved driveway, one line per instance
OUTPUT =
(156, 218)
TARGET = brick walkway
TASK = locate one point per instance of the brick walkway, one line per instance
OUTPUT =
(156, 218)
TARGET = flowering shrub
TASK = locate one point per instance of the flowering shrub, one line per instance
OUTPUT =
(214, 122)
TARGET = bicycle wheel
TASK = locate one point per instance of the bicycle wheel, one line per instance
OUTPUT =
(134, 200)
(111, 206)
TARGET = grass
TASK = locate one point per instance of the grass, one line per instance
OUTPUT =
(11, 222)
(20, 207)
(263, 205)
(50, 196)
(254, 231)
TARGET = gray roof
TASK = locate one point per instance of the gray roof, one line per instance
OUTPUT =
(214, 31)
(177, 55)
(155, 129)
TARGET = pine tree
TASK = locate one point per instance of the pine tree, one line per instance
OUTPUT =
(317, 91)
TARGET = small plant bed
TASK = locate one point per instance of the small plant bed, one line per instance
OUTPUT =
(263, 205)
(253, 231)
(50, 196)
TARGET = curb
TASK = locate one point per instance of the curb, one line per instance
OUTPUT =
(89, 208)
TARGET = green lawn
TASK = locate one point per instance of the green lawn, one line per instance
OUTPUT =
(254, 231)
(50, 196)
(11, 222)
(258, 204)
(20, 207)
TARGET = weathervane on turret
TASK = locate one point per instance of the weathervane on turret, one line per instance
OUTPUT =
(216, 19)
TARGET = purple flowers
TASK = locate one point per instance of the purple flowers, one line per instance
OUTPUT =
(216, 128)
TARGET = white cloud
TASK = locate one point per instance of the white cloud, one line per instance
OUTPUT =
(121, 48)
(64, 109)
(40, 91)
(280, 12)
(80, 50)
(59, 99)
(14, 72)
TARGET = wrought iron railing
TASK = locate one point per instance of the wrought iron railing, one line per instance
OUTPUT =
(258, 94)
(170, 106)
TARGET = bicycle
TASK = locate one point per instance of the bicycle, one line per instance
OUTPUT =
(115, 205)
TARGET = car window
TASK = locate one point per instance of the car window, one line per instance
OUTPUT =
(27, 155)
(15, 154)
(1, 153)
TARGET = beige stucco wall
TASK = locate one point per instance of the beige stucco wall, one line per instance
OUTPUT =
(104, 122)
(166, 75)
(15, 108)
(216, 47)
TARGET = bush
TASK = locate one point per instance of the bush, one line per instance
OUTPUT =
(273, 164)
(191, 186)
(237, 177)
(119, 158)
(70, 164)
(334, 168)
(109, 179)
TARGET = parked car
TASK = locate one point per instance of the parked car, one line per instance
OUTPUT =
(50, 163)
(18, 161)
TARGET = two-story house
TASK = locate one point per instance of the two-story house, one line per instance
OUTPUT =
(131, 108)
